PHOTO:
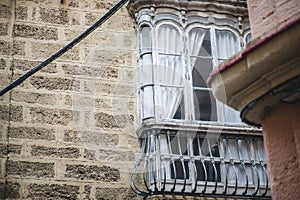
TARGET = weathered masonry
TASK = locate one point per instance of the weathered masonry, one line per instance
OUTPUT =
(64, 132)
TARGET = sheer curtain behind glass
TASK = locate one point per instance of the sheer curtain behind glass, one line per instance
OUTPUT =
(227, 46)
(146, 73)
(201, 64)
(170, 70)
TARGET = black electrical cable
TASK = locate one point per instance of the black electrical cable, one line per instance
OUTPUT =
(63, 50)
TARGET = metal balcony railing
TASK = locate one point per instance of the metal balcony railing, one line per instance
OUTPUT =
(201, 164)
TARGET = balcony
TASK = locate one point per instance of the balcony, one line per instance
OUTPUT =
(185, 162)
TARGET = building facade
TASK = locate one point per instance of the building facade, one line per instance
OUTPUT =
(126, 113)
(65, 132)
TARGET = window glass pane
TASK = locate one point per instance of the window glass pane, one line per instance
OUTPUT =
(204, 106)
(146, 69)
(248, 38)
(231, 115)
(227, 43)
(199, 42)
(169, 39)
(244, 147)
(171, 70)
(180, 113)
(147, 102)
(201, 71)
(230, 147)
(179, 144)
(170, 101)
(145, 40)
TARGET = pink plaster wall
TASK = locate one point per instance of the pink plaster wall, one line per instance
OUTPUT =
(281, 130)
(270, 15)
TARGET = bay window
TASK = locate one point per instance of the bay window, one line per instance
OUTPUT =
(174, 66)
(191, 143)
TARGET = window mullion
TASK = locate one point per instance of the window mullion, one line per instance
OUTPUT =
(219, 106)
(156, 87)
(190, 115)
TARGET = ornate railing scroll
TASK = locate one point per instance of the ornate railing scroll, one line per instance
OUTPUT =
(200, 163)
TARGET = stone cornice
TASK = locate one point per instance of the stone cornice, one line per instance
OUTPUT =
(216, 6)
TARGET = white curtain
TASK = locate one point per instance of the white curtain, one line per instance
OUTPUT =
(171, 70)
(146, 67)
(227, 45)
(196, 38)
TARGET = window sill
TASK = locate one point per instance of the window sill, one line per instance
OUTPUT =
(195, 126)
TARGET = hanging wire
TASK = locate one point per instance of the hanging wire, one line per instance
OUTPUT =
(63, 50)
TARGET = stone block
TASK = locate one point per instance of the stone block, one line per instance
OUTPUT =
(59, 16)
(92, 172)
(52, 191)
(45, 50)
(2, 64)
(4, 112)
(101, 72)
(19, 48)
(109, 57)
(9, 190)
(104, 120)
(32, 133)
(30, 169)
(6, 149)
(54, 16)
(91, 138)
(87, 192)
(88, 71)
(35, 32)
(99, 138)
(69, 69)
(82, 102)
(91, 18)
(90, 154)
(3, 149)
(52, 116)
(15, 149)
(34, 98)
(118, 23)
(3, 29)
(5, 47)
(116, 194)
(116, 156)
(42, 151)
(67, 100)
(5, 79)
(16, 113)
(21, 13)
(5, 11)
(42, 82)
(71, 136)
(74, 3)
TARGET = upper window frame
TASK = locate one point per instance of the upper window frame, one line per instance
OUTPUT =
(183, 29)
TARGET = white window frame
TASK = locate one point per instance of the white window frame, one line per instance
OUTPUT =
(189, 115)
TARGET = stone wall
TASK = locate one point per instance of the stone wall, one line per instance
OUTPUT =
(68, 132)
(270, 15)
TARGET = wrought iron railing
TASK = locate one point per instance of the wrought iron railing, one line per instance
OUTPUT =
(201, 163)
